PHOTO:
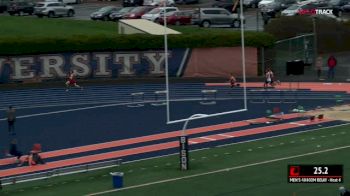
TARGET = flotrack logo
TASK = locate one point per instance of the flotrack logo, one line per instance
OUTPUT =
(315, 12)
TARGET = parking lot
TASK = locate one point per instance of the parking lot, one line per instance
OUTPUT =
(83, 11)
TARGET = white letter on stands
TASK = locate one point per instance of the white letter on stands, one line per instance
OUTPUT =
(80, 64)
(156, 62)
(101, 67)
(21, 68)
(127, 60)
(52, 66)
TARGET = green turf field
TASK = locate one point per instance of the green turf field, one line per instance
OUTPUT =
(251, 168)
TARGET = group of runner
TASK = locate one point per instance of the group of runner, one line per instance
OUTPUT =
(269, 79)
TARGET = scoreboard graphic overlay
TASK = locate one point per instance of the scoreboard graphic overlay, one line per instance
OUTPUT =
(315, 173)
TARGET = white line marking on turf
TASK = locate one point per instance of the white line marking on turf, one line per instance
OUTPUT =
(238, 151)
(281, 143)
(294, 123)
(333, 134)
(222, 170)
(208, 138)
(312, 138)
(323, 136)
(260, 147)
(250, 150)
(225, 135)
(271, 145)
(292, 142)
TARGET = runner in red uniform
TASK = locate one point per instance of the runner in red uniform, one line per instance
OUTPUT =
(71, 81)
(232, 81)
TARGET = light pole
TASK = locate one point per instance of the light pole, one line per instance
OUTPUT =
(184, 142)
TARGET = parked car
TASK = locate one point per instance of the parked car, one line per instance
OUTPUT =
(158, 2)
(137, 12)
(103, 13)
(132, 3)
(251, 3)
(344, 9)
(119, 14)
(205, 17)
(3, 5)
(53, 9)
(154, 14)
(186, 1)
(336, 6)
(177, 18)
(226, 4)
(272, 7)
(65, 1)
(20, 8)
(297, 8)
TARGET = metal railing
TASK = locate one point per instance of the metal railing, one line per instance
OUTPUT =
(59, 172)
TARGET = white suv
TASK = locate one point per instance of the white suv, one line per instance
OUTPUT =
(154, 14)
(205, 17)
(53, 9)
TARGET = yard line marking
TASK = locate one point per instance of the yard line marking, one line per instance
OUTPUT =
(238, 151)
(225, 135)
(260, 147)
(323, 136)
(208, 138)
(294, 123)
(292, 142)
(221, 170)
(334, 134)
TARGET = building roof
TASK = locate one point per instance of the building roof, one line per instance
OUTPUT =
(148, 27)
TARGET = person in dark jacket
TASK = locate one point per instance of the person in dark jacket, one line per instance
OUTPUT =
(332, 63)
(343, 191)
(11, 118)
(14, 151)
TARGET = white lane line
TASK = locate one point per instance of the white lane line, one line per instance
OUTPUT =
(221, 170)
(294, 123)
(225, 135)
(208, 138)
(192, 142)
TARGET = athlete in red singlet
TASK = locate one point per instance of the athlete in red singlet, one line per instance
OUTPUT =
(71, 81)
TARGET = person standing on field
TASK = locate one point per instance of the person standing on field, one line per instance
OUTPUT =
(11, 118)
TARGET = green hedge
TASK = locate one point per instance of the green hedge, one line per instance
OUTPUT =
(81, 43)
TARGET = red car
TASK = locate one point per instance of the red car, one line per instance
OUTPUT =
(137, 12)
(177, 18)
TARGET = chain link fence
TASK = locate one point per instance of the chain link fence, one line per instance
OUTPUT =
(303, 48)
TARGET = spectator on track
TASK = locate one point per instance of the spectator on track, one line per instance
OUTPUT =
(11, 118)
(332, 63)
(319, 64)
(343, 191)
(14, 151)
